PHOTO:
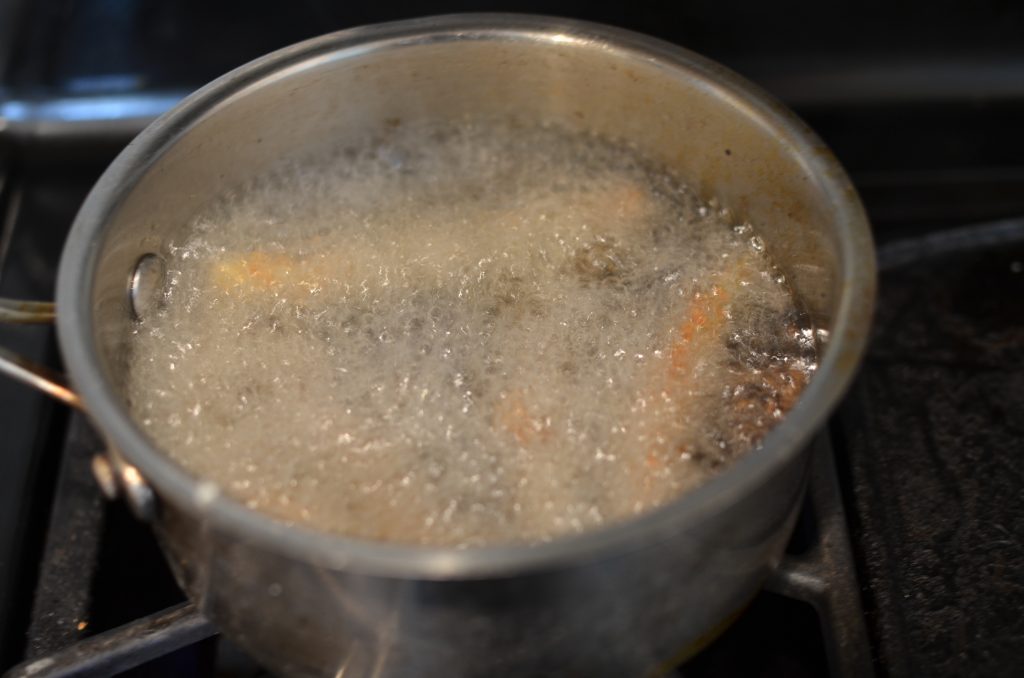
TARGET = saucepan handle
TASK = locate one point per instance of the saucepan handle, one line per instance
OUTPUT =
(24, 370)
(112, 473)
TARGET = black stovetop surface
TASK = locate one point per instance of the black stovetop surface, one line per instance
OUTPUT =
(934, 429)
(922, 106)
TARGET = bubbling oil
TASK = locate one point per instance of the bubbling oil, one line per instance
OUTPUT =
(466, 334)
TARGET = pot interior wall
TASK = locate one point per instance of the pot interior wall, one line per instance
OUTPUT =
(714, 140)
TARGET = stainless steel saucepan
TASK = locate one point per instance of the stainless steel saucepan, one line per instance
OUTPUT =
(617, 601)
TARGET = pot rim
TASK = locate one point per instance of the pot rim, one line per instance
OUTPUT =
(215, 510)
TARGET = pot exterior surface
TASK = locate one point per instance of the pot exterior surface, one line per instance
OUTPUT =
(617, 601)
(630, 614)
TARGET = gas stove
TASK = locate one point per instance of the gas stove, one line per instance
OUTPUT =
(908, 557)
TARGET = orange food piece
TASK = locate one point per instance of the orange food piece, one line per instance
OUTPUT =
(705, 319)
(627, 199)
(703, 324)
(514, 416)
(258, 270)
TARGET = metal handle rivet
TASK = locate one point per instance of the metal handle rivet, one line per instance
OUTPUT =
(146, 284)
(103, 472)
